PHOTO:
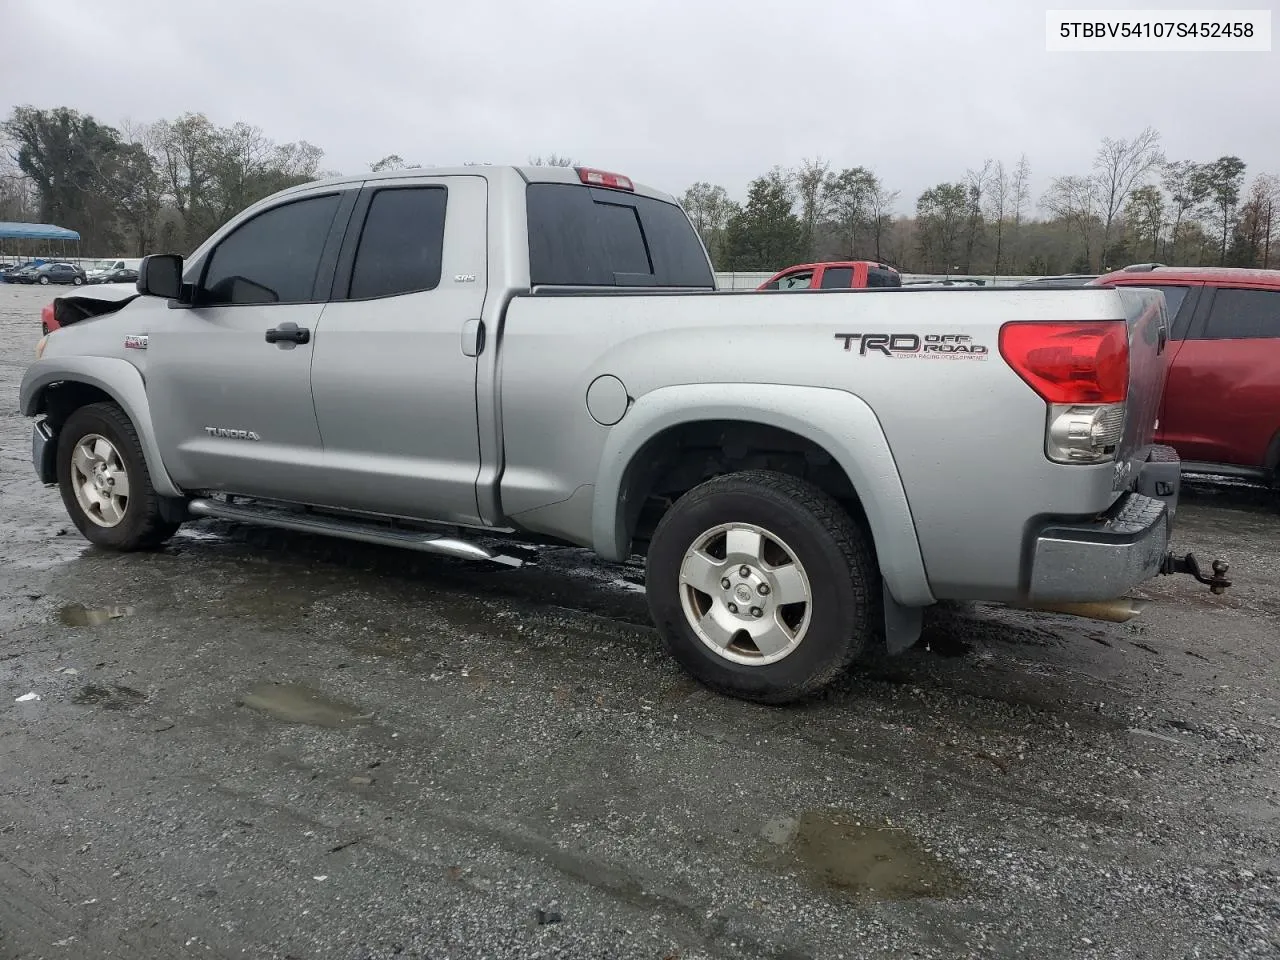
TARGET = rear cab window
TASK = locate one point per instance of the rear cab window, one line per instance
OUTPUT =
(597, 237)
(880, 277)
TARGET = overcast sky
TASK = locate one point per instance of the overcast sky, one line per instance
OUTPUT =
(666, 91)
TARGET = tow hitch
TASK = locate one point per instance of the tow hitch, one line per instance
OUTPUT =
(1217, 583)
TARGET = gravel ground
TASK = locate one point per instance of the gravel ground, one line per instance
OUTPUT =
(253, 744)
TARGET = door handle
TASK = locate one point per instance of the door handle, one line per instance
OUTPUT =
(473, 338)
(288, 333)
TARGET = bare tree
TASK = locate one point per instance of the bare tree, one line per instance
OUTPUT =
(976, 183)
(552, 160)
(880, 203)
(1119, 167)
(1019, 195)
(709, 207)
(1074, 201)
(1188, 187)
(998, 197)
(810, 180)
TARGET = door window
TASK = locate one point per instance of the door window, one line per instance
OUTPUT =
(1243, 315)
(402, 243)
(837, 278)
(800, 280)
(272, 258)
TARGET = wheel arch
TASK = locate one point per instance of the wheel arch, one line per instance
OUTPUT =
(834, 423)
(56, 390)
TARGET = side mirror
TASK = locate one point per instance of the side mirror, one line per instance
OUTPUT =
(160, 275)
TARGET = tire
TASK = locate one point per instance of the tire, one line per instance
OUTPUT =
(44, 281)
(133, 522)
(803, 646)
(77, 281)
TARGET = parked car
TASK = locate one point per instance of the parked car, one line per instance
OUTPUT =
(10, 273)
(115, 275)
(834, 275)
(46, 273)
(467, 393)
(1221, 407)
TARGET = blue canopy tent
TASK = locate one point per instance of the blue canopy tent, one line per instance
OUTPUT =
(32, 237)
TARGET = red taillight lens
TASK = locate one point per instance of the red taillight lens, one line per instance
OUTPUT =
(601, 178)
(1070, 362)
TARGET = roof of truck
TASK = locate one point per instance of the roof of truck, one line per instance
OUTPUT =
(531, 174)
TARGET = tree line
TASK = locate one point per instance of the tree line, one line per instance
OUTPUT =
(139, 188)
(1134, 205)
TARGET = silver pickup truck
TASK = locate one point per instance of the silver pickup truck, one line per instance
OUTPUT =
(446, 360)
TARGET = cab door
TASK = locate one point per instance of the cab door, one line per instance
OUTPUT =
(229, 377)
(394, 368)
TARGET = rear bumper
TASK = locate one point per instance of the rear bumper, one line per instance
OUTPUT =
(1103, 557)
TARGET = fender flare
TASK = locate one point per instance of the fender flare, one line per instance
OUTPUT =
(117, 378)
(836, 420)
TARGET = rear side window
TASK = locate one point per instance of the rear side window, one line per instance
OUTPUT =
(272, 258)
(837, 278)
(581, 236)
(1244, 315)
(879, 277)
(401, 244)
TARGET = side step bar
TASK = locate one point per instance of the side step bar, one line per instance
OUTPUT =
(418, 540)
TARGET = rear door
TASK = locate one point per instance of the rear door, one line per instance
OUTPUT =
(394, 368)
(1221, 404)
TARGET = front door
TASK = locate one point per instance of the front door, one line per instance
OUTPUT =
(394, 372)
(229, 378)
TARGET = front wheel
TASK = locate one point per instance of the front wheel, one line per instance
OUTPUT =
(104, 481)
(77, 281)
(762, 586)
(44, 281)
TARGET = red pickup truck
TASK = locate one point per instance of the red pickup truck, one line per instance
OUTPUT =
(1221, 408)
(834, 275)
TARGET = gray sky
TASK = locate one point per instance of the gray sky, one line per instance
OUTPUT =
(666, 92)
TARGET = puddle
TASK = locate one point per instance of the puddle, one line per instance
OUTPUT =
(838, 852)
(113, 697)
(295, 703)
(78, 615)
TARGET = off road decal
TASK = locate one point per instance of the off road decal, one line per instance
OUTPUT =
(931, 346)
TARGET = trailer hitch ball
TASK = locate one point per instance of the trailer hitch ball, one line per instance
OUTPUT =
(1217, 582)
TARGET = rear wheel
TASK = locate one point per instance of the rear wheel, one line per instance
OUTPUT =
(104, 481)
(762, 586)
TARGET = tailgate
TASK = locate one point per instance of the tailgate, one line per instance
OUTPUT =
(1148, 322)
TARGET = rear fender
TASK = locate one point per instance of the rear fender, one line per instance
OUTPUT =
(121, 381)
(837, 421)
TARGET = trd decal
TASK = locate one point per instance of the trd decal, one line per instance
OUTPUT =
(931, 346)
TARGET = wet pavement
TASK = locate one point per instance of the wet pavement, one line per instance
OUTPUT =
(275, 746)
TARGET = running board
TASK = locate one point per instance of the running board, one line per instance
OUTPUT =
(418, 540)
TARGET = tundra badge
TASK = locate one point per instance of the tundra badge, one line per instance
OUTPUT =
(231, 434)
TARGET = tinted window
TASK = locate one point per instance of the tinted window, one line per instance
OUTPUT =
(1173, 297)
(581, 236)
(272, 258)
(1244, 314)
(878, 277)
(837, 278)
(402, 243)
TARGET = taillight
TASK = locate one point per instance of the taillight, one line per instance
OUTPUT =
(599, 178)
(1081, 370)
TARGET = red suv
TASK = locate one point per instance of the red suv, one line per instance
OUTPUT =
(1221, 408)
(834, 275)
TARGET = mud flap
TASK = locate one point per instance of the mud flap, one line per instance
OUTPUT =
(902, 625)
